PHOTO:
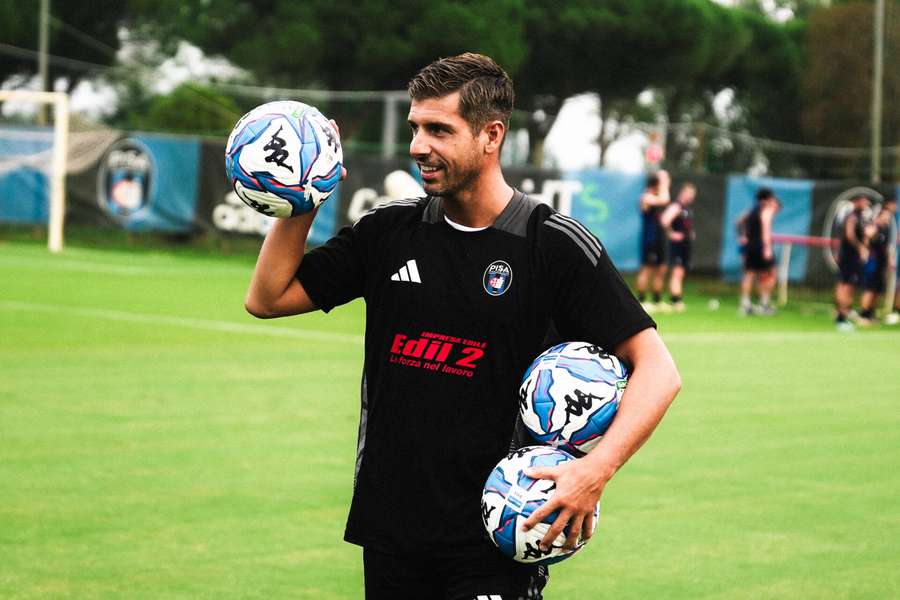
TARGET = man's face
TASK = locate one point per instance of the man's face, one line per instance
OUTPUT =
(449, 156)
(686, 195)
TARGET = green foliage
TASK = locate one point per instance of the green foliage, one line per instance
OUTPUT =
(340, 44)
(75, 32)
(837, 85)
(190, 108)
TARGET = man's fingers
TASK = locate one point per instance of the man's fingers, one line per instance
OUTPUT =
(587, 528)
(574, 532)
(555, 529)
(541, 472)
(540, 514)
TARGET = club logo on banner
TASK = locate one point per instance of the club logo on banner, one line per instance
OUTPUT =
(125, 179)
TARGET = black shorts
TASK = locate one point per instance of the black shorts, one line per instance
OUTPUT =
(467, 573)
(653, 254)
(850, 270)
(873, 276)
(680, 254)
(755, 261)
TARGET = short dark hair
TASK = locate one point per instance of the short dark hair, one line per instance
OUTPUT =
(485, 89)
(764, 193)
(891, 198)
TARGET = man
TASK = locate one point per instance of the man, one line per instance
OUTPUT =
(879, 235)
(890, 205)
(653, 241)
(461, 288)
(853, 252)
(678, 222)
(759, 254)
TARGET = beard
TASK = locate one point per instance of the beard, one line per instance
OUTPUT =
(460, 179)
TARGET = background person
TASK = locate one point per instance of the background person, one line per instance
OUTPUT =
(653, 240)
(759, 258)
(678, 222)
(876, 267)
(852, 254)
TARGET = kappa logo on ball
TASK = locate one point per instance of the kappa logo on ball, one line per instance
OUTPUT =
(497, 278)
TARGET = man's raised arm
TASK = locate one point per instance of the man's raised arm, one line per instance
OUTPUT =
(274, 290)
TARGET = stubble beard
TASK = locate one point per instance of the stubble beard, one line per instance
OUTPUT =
(467, 173)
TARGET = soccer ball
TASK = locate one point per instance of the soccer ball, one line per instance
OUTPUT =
(283, 158)
(570, 394)
(510, 497)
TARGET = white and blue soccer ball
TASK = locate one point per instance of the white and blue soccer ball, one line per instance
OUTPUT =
(283, 158)
(570, 394)
(510, 497)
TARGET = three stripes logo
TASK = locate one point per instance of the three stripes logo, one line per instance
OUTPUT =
(579, 234)
(408, 272)
(489, 597)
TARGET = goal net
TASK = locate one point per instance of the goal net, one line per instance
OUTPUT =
(33, 160)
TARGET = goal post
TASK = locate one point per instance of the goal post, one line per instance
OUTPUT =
(57, 168)
(787, 242)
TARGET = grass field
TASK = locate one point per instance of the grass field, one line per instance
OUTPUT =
(157, 442)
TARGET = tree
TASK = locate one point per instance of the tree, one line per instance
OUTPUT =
(74, 33)
(837, 85)
(618, 48)
(189, 108)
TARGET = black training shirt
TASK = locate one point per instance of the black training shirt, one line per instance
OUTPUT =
(453, 319)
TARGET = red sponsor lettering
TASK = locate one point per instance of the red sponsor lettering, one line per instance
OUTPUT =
(437, 352)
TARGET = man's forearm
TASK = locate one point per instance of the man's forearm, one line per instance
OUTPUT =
(651, 388)
(270, 292)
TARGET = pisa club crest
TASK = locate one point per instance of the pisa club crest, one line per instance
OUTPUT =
(125, 179)
(497, 278)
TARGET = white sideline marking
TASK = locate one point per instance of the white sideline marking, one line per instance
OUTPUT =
(76, 264)
(205, 324)
(307, 334)
(776, 336)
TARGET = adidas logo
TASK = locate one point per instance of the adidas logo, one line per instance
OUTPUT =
(408, 272)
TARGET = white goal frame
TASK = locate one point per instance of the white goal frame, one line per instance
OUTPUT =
(57, 178)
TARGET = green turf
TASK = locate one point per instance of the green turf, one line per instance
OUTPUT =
(157, 442)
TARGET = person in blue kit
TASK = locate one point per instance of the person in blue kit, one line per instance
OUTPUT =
(461, 288)
(652, 273)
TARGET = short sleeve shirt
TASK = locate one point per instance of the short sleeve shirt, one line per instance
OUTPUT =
(453, 319)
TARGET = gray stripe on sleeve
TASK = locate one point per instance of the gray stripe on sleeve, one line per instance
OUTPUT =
(574, 238)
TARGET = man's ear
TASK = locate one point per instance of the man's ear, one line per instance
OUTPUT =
(495, 132)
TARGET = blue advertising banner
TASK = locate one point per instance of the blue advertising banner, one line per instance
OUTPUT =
(793, 218)
(24, 188)
(149, 183)
(607, 204)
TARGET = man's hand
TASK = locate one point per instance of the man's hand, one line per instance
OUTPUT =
(338, 129)
(676, 236)
(664, 179)
(578, 489)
